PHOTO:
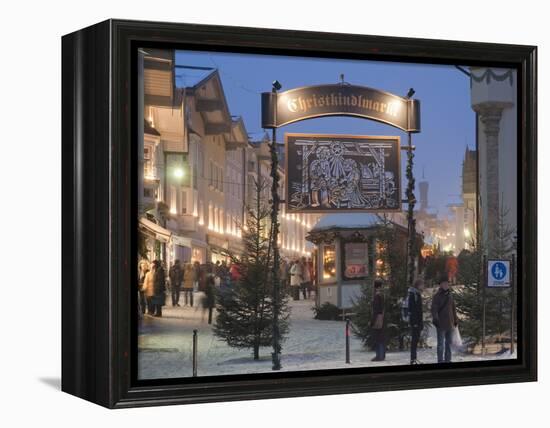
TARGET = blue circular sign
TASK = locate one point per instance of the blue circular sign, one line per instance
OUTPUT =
(498, 270)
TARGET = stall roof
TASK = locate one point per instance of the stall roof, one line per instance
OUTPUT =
(347, 221)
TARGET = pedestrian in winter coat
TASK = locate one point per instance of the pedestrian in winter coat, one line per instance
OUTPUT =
(451, 267)
(296, 279)
(444, 319)
(235, 273)
(306, 278)
(188, 284)
(377, 322)
(176, 279)
(283, 274)
(143, 269)
(209, 298)
(224, 274)
(153, 288)
(196, 275)
(159, 282)
(312, 279)
(416, 316)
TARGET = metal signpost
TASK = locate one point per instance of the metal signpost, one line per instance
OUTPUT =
(498, 275)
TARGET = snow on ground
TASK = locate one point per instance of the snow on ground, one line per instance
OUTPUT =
(165, 347)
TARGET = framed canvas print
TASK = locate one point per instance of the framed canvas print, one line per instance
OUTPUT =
(253, 213)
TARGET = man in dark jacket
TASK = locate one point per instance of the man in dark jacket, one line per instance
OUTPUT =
(416, 320)
(444, 319)
(176, 278)
(377, 322)
(159, 281)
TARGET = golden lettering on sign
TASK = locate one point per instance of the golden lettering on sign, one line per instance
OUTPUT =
(336, 99)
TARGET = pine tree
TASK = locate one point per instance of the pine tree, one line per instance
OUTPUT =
(245, 311)
(501, 246)
(391, 251)
(469, 298)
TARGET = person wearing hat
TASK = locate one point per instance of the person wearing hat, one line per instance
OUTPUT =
(377, 322)
(444, 319)
(176, 279)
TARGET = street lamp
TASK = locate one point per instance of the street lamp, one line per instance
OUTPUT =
(179, 173)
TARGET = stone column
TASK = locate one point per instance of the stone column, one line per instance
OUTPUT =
(490, 114)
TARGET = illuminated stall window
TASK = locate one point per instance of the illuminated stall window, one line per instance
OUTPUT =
(329, 263)
(356, 260)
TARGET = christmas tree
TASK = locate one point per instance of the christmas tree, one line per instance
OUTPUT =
(245, 311)
(391, 255)
(469, 298)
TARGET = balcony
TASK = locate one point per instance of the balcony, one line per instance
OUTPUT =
(183, 223)
(150, 193)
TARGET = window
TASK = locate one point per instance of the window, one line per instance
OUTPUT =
(148, 161)
(329, 263)
(211, 173)
(173, 200)
(201, 161)
(195, 175)
(183, 205)
(201, 212)
(356, 260)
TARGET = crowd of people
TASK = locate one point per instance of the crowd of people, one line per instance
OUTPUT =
(185, 279)
(298, 277)
(182, 282)
(444, 319)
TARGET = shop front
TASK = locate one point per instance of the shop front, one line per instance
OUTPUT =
(346, 255)
(188, 250)
(217, 249)
(156, 238)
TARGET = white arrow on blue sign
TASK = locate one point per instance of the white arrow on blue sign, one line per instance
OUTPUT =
(498, 273)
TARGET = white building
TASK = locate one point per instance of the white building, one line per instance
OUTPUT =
(494, 99)
(197, 168)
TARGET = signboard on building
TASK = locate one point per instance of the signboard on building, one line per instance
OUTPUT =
(279, 109)
(327, 173)
(498, 273)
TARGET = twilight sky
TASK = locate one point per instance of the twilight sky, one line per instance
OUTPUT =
(448, 122)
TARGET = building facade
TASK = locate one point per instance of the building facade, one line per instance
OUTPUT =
(197, 169)
(494, 99)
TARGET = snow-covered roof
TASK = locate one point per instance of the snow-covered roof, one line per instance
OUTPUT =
(346, 221)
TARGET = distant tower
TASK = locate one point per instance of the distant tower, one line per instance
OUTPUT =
(423, 186)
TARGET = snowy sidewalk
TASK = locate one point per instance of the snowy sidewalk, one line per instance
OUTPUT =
(165, 347)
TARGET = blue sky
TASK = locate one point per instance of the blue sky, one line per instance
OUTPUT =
(448, 122)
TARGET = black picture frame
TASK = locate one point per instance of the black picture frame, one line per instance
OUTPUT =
(99, 225)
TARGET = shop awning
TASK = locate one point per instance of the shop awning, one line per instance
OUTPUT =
(158, 232)
(184, 241)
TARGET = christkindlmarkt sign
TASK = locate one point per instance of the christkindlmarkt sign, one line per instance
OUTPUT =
(282, 108)
(342, 173)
